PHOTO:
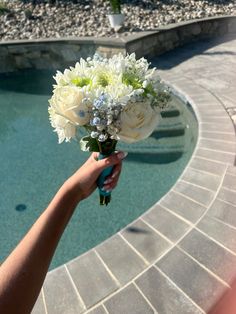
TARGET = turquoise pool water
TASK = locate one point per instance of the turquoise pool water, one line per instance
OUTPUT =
(33, 166)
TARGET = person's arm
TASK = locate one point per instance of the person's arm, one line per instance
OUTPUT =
(23, 272)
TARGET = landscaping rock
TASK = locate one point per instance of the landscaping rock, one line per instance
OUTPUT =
(40, 19)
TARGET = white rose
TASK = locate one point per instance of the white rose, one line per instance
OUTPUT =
(67, 101)
(67, 110)
(138, 121)
(65, 130)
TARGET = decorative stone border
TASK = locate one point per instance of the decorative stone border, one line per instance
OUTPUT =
(63, 52)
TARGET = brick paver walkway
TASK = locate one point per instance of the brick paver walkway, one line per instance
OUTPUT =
(184, 261)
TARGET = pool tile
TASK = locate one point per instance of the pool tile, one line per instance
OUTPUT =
(218, 145)
(229, 182)
(211, 119)
(183, 206)
(215, 84)
(39, 307)
(192, 90)
(209, 112)
(218, 136)
(228, 103)
(164, 296)
(145, 240)
(60, 295)
(196, 193)
(98, 310)
(230, 95)
(189, 276)
(207, 100)
(224, 234)
(227, 195)
(121, 259)
(231, 170)
(202, 179)
(214, 127)
(207, 103)
(223, 211)
(215, 155)
(162, 220)
(208, 166)
(210, 254)
(89, 274)
(128, 301)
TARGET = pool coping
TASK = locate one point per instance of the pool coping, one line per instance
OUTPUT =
(97, 278)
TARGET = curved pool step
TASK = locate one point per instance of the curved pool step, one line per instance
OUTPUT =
(167, 143)
(169, 131)
(170, 112)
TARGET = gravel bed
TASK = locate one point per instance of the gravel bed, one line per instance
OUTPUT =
(89, 17)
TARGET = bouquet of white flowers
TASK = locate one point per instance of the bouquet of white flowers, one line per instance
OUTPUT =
(116, 99)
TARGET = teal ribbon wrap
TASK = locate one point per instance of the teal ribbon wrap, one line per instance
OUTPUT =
(105, 197)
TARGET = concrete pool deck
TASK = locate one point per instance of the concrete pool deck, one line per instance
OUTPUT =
(179, 256)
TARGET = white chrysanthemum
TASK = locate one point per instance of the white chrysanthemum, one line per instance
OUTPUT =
(81, 67)
(120, 92)
(60, 79)
(80, 75)
(66, 78)
(117, 64)
(137, 67)
(103, 75)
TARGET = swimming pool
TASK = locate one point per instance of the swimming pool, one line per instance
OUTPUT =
(33, 166)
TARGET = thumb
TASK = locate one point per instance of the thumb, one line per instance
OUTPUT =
(111, 160)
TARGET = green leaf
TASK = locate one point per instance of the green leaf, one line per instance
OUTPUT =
(115, 6)
(88, 144)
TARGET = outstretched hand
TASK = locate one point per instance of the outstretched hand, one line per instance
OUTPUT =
(23, 272)
(84, 181)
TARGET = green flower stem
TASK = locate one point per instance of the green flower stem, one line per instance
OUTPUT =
(99, 146)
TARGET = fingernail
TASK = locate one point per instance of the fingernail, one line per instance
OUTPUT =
(114, 174)
(122, 155)
(108, 181)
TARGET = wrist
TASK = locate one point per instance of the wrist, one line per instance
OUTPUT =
(72, 191)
